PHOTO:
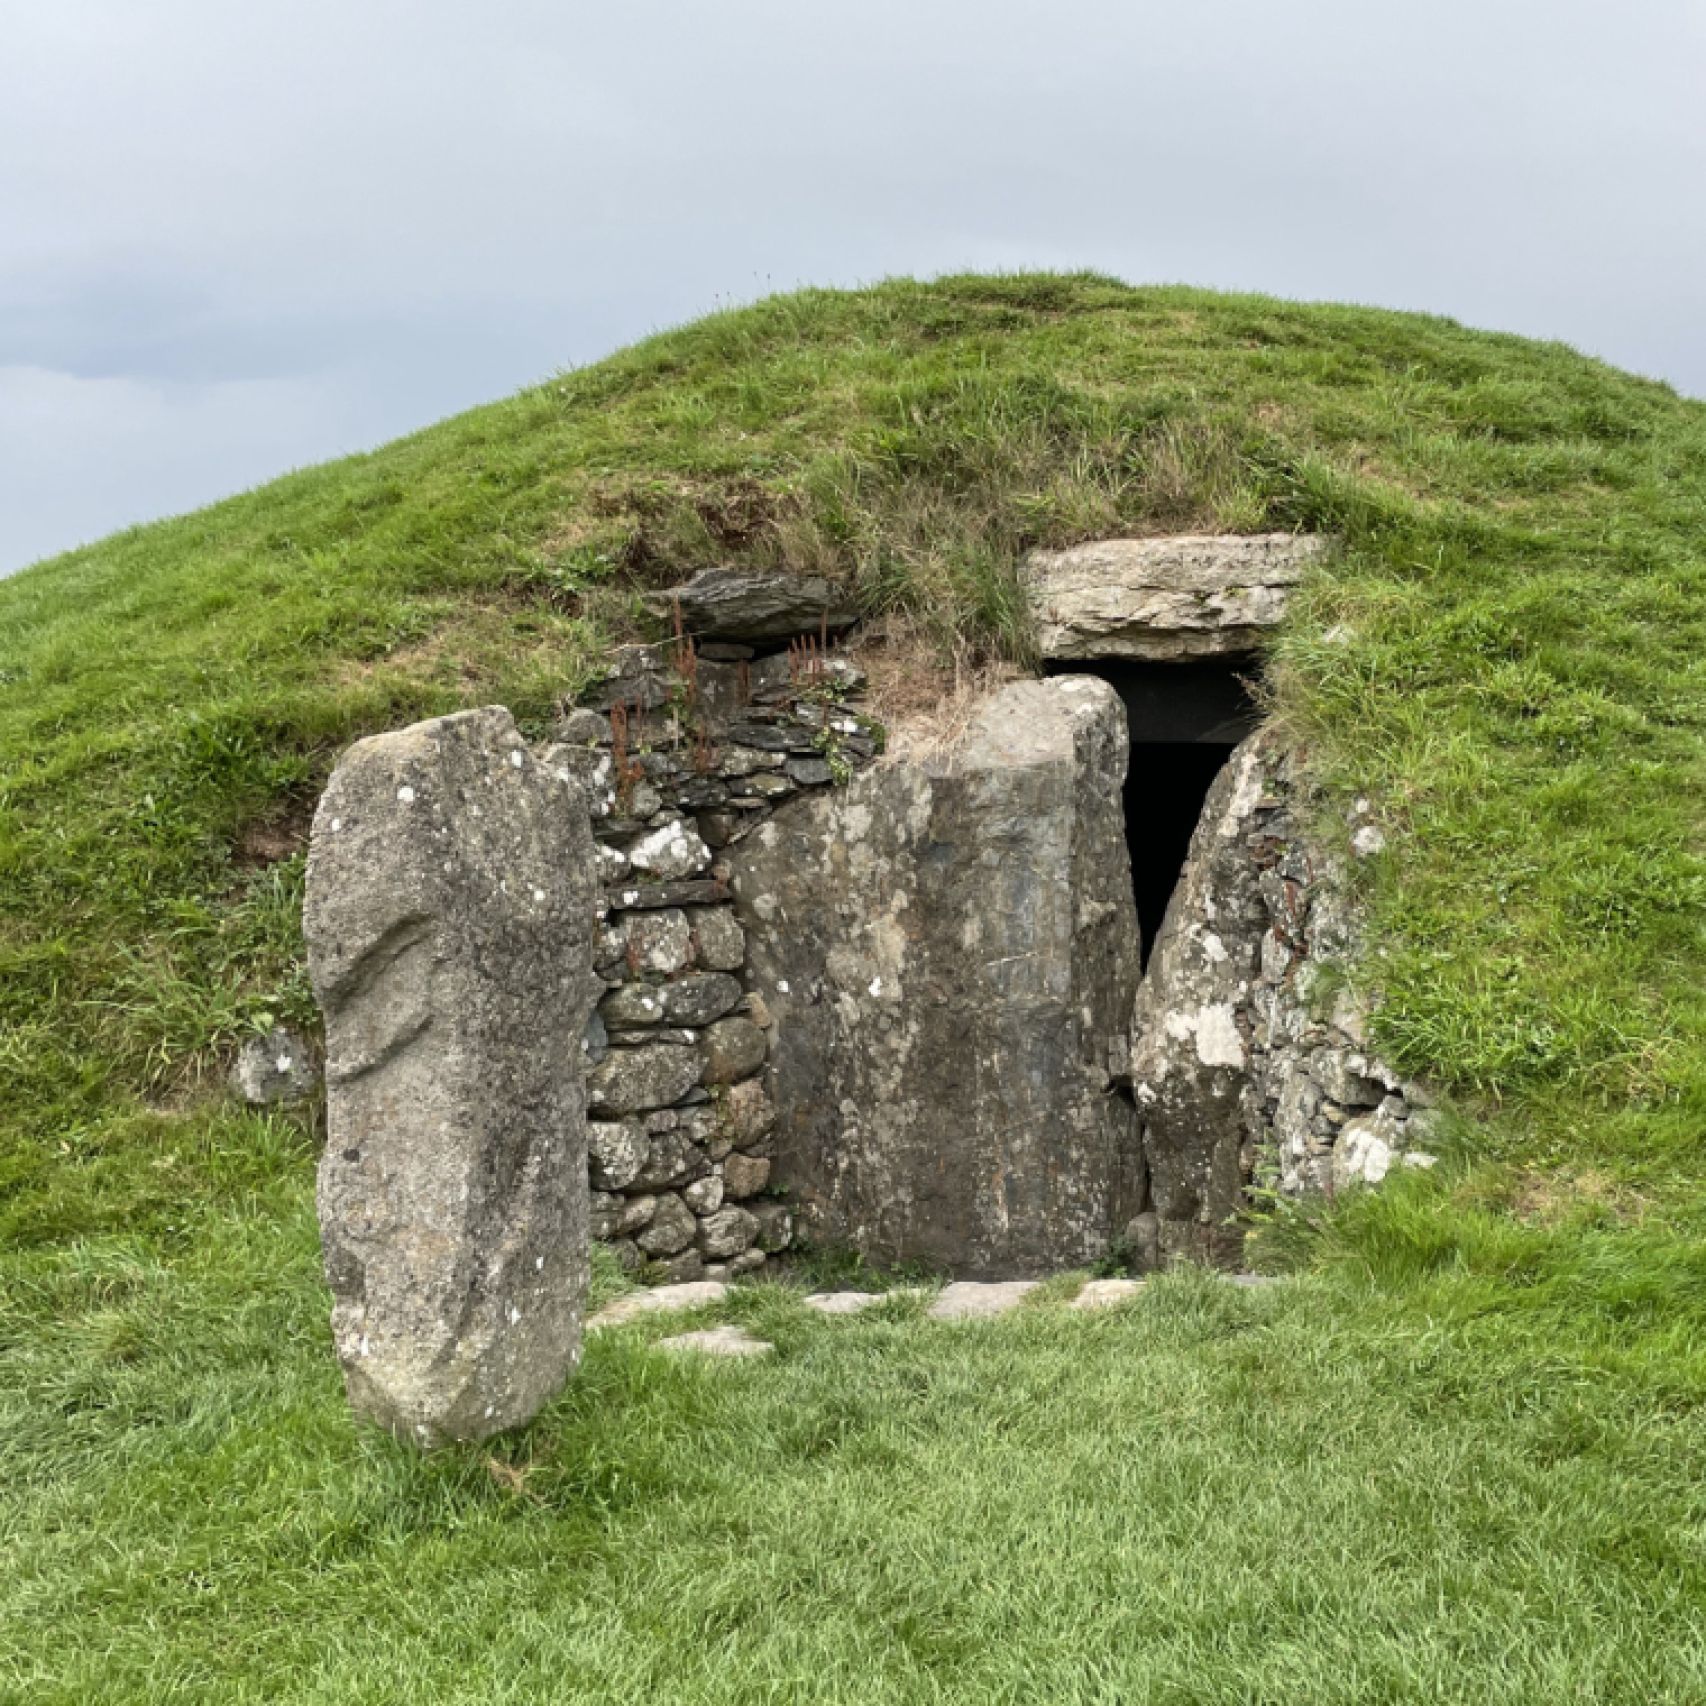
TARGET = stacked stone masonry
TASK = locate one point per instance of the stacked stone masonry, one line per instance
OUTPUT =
(685, 750)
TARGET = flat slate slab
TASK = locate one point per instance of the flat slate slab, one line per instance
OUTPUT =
(1189, 596)
(843, 1302)
(979, 1300)
(691, 1294)
(1106, 1293)
(725, 1341)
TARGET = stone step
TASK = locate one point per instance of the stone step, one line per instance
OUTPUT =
(1106, 1293)
(843, 1302)
(962, 1300)
(978, 1300)
(690, 1294)
(726, 1341)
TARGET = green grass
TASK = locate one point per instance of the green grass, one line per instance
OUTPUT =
(1418, 1474)
(1459, 1459)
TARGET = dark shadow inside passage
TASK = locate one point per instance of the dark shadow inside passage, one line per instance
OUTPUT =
(1184, 720)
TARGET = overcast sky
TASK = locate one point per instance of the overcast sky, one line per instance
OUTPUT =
(237, 236)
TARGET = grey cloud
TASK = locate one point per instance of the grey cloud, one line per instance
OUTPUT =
(244, 237)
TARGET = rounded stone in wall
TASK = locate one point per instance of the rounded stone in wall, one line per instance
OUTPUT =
(672, 1229)
(655, 1075)
(734, 1049)
(745, 1176)
(721, 942)
(671, 1159)
(727, 1232)
(616, 1151)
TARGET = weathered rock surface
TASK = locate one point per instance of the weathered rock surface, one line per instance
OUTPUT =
(452, 894)
(971, 1300)
(1106, 1294)
(718, 940)
(694, 1294)
(949, 950)
(734, 1049)
(616, 1151)
(755, 604)
(726, 1232)
(1188, 596)
(842, 1302)
(672, 1229)
(745, 1176)
(277, 1068)
(630, 1080)
(775, 1224)
(1244, 1069)
(1192, 1059)
(726, 1341)
(693, 1000)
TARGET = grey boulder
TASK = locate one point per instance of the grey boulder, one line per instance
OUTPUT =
(949, 950)
(654, 1075)
(1187, 596)
(756, 604)
(693, 1000)
(449, 918)
(273, 1069)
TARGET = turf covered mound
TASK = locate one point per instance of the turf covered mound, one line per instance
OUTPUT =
(1463, 1462)
(1509, 655)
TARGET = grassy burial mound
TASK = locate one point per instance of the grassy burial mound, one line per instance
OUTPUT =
(1465, 1444)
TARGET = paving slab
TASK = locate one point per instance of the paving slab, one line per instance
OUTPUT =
(1106, 1293)
(843, 1302)
(979, 1300)
(690, 1294)
(727, 1341)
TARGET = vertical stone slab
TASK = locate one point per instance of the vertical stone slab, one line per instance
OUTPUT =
(1193, 1055)
(451, 907)
(1251, 1059)
(949, 950)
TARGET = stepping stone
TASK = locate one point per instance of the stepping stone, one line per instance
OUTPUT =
(1106, 1293)
(718, 1342)
(978, 1300)
(843, 1302)
(691, 1294)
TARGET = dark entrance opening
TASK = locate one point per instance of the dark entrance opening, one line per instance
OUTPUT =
(1185, 719)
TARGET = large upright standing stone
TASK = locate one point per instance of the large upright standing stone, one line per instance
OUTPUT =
(1192, 1050)
(1251, 1056)
(451, 906)
(949, 950)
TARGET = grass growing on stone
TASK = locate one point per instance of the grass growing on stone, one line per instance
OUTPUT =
(1460, 1460)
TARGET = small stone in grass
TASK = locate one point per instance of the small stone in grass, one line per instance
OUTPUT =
(1106, 1293)
(727, 1341)
(975, 1300)
(842, 1302)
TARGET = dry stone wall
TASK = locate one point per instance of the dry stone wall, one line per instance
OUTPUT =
(685, 751)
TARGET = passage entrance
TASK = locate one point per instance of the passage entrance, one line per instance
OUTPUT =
(1184, 720)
